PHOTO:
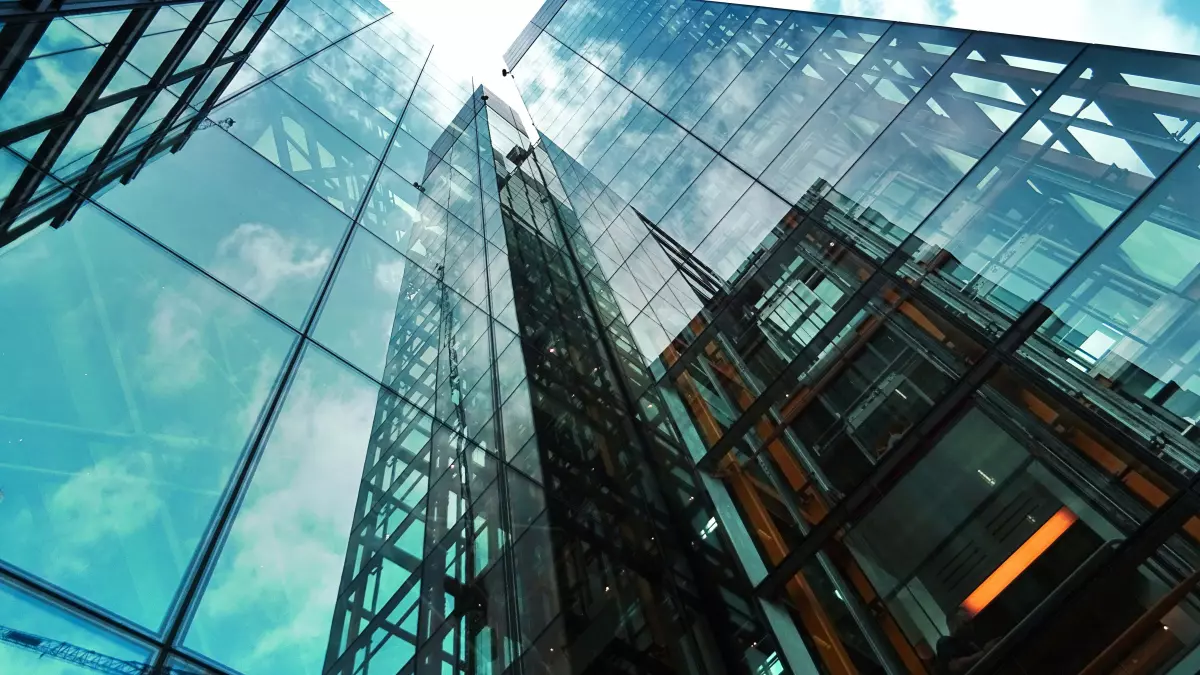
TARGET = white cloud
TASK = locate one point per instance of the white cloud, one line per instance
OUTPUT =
(389, 276)
(915, 11)
(114, 498)
(257, 259)
(175, 352)
(278, 575)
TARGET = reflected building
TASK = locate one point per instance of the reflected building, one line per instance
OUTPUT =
(781, 342)
(912, 306)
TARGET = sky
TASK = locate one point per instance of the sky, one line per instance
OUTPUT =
(478, 31)
(471, 34)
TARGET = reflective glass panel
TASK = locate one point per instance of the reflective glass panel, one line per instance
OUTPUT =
(281, 568)
(338, 105)
(805, 87)
(135, 384)
(28, 621)
(45, 86)
(881, 85)
(266, 236)
(1060, 177)
(382, 314)
(302, 144)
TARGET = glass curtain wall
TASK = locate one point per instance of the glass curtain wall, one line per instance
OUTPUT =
(256, 416)
(915, 301)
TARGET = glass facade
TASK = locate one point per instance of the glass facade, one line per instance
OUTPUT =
(913, 308)
(782, 342)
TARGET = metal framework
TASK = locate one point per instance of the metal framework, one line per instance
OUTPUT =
(31, 203)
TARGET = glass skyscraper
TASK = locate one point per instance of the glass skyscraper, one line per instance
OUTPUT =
(781, 342)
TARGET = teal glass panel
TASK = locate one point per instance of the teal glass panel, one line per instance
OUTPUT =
(302, 144)
(649, 156)
(824, 66)
(273, 54)
(340, 106)
(309, 517)
(149, 52)
(418, 125)
(44, 86)
(674, 176)
(135, 385)
(885, 81)
(158, 109)
(681, 44)
(1127, 316)
(732, 242)
(93, 133)
(407, 156)
(61, 36)
(101, 26)
(408, 220)
(1058, 180)
(362, 81)
(381, 313)
(318, 19)
(704, 202)
(400, 76)
(266, 236)
(33, 625)
(298, 33)
(710, 45)
(756, 81)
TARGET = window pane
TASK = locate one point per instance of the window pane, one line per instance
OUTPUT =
(672, 178)
(740, 232)
(135, 384)
(29, 620)
(266, 236)
(44, 86)
(362, 81)
(407, 220)
(1016, 223)
(861, 108)
(400, 80)
(324, 23)
(149, 52)
(420, 127)
(381, 315)
(407, 156)
(60, 36)
(302, 144)
(338, 105)
(1126, 322)
(681, 44)
(102, 27)
(92, 133)
(760, 76)
(273, 54)
(806, 86)
(298, 33)
(705, 202)
(700, 57)
(280, 570)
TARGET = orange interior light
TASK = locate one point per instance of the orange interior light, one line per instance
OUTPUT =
(1020, 560)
